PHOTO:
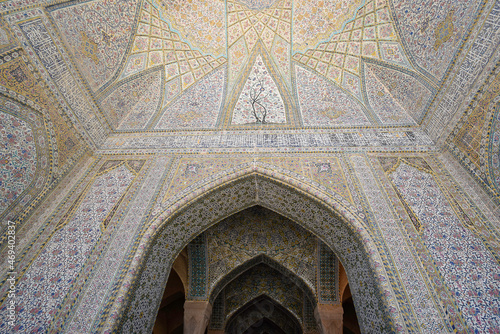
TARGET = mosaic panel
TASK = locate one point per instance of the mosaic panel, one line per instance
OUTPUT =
(81, 317)
(94, 257)
(339, 57)
(315, 21)
(409, 92)
(432, 30)
(131, 104)
(256, 231)
(157, 43)
(18, 157)
(263, 315)
(471, 69)
(18, 76)
(7, 39)
(416, 287)
(284, 141)
(25, 159)
(328, 275)
(198, 107)
(217, 317)
(44, 285)
(388, 110)
(233, 198)
(333, 106)
(201, 22)
(475, 138)
(469, 270)
(267, 26)
(260, 100)
(263, 280)
(97, 33)
(198, 268)
(57, 69)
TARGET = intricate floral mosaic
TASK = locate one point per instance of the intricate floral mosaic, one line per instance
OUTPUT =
(132, 104)
(412, 94)
(258, 231)
(432, 30)
(315, 21)
(420, 256)
(98, 33)
(230, 199)
(198, 107)
(469, 270)
(17, 74)
(333, 106)
(260, 100)
(387, 109)
(18, 158)
(201, 22)
(475, 138)
(25, 159)
(44, 285)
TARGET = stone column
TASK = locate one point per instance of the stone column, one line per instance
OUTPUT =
(329, 317)
(196, 316)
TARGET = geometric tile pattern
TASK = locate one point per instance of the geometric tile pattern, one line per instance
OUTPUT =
(328, 275)
(410, 93)
(156, 44)
(260, 280)
(247, 26)
(172, 237)
(387, 109)
(339, 58)
(201, 22)
(475, 140)
(197, 255)
(315, 21)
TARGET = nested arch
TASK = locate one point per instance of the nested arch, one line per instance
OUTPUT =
(260, 313)
(316, 213)
(261, 259)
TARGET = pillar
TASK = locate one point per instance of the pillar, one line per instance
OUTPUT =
(196, 316)
(329, 317)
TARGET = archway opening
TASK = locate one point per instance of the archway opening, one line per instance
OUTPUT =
(346, 237)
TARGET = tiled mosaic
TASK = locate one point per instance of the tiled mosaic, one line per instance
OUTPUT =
(44, 284)
(367, 91)
(257, 231)
(233, 198)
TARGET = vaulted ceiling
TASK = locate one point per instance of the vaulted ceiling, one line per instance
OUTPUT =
(184, 65)
(115, 76)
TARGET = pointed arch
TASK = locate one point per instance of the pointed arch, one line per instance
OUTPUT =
(264, 259)
(329, 219)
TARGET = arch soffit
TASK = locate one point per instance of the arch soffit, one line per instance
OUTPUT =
(262, 258)
(259, 299)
